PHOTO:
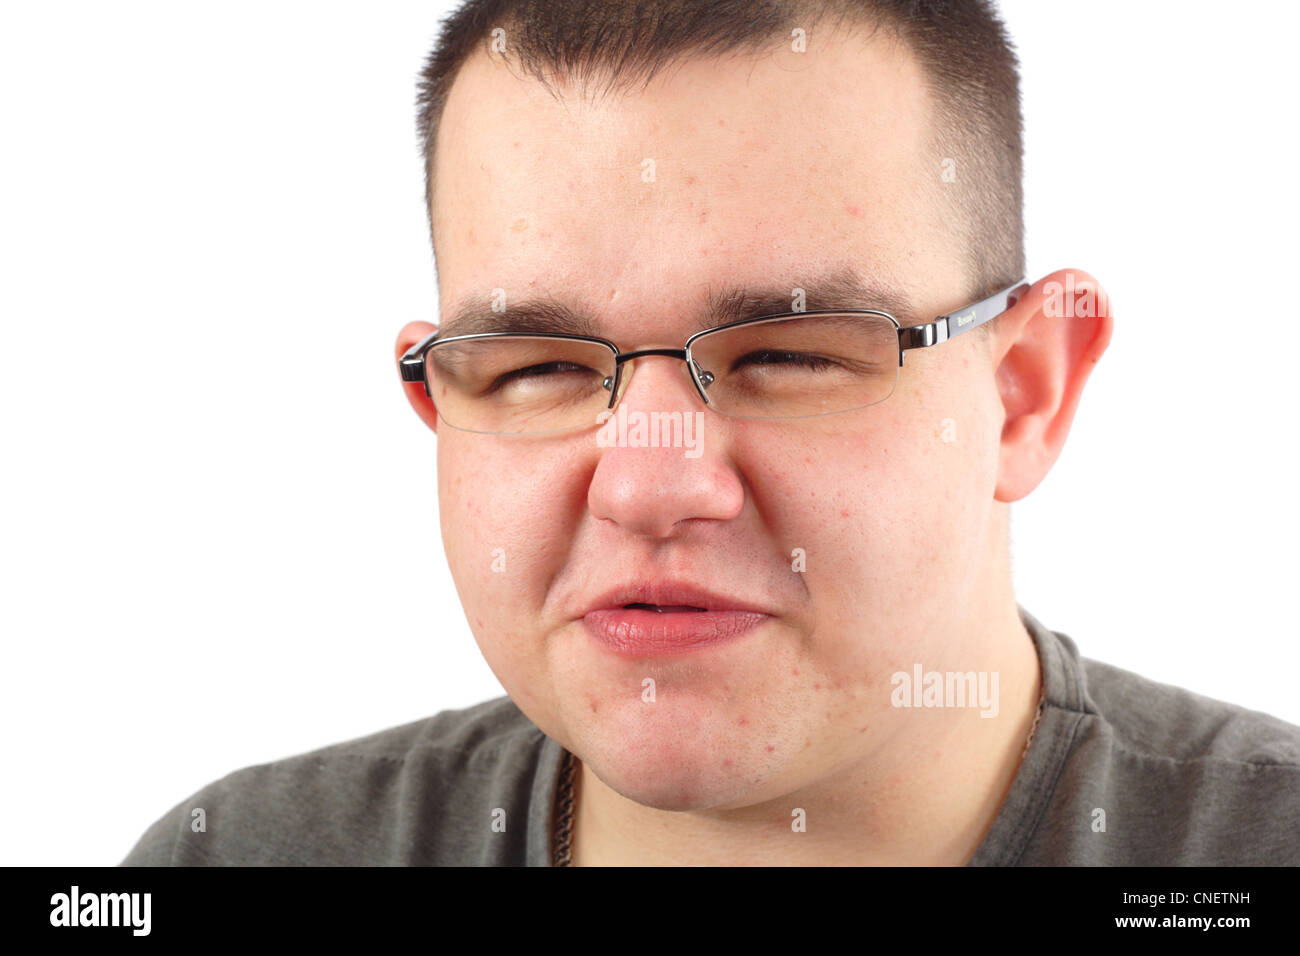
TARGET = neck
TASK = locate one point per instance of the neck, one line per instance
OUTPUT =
(927, 798)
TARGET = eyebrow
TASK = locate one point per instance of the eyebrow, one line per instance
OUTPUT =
(842, 288)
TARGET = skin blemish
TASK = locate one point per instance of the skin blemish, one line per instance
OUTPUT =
(844, 513)
(771, 747)
(743, 721)
(519, 225)
(795, 672)
(853, 211)
(727, 762)
(817, 686)
(594, 706)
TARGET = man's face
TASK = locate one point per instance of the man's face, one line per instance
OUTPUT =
(767, 171)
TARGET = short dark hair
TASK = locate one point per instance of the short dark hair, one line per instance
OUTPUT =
(962, 46)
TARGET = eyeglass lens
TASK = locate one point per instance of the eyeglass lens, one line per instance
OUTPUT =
(781, 368)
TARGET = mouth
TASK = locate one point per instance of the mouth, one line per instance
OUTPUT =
(665, 596)
(667, 618)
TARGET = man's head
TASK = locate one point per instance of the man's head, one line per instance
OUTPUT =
(601, 48)
(739, 159)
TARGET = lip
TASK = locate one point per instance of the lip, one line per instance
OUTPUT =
(636, 632)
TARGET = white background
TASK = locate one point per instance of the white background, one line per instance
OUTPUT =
(218, 514)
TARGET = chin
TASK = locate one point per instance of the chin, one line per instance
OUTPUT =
(675, 768)
(675, 788)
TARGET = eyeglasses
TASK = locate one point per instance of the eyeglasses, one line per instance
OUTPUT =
(786, 366)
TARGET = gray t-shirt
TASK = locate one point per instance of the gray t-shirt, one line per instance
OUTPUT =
(1182, 780)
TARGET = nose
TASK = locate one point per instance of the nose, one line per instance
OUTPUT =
(663, 458)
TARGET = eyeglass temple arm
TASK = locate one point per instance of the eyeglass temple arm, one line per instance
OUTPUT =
(972, 317)
(412, 361)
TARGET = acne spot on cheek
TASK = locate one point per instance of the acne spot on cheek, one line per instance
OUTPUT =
(743, 721)
(771, 747)
(727, 762)
(594, 705)
(795, 672)
(844, 513)
(853, 211)
(519, 225)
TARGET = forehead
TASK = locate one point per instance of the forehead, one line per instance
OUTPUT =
(743, 170)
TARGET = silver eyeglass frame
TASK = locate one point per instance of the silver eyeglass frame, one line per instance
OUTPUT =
(943, 328)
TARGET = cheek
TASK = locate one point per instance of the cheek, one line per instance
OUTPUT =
(469, 524)
(845, 495)
(506, 513)
(880, 510)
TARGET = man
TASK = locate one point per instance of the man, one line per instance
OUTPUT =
(751, 597)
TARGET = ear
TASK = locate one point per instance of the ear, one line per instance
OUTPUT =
(1046, 346)
(411, 333)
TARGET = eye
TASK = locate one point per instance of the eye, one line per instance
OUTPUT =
(816, 363)
(542, 370)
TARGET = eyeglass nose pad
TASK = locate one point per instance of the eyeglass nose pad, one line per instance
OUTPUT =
(705, 377)
(609, 381)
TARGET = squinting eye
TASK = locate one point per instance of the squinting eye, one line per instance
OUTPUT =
(774, 357)
(534, 371)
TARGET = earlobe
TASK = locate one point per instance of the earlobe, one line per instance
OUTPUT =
(1048, 342)
(416, 393)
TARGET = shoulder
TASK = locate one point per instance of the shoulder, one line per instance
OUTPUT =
(1162, 721)
(422, 792)
(1159, 775)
